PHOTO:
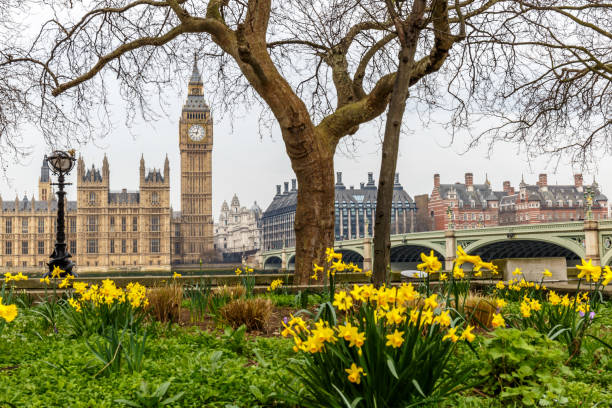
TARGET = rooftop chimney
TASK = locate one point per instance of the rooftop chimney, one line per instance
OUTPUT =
(469, 179)
(361, 185)
(370, 178)
(396, 178)
(286, 187)
(293, 185)
(436, 180)
(338, 177)
(507, 187)
(542, 180)
(278, 189)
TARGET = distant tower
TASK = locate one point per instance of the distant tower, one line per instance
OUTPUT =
(44, 183)
(195, 143)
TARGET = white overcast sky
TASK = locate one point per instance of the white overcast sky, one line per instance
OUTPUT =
(250, 165)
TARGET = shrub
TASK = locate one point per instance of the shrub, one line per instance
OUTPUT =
(479, 310)
(230, 292)
(165, 302)
(523, 366)
(199, 298)
(254, 313)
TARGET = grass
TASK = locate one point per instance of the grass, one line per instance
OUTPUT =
(40, 368)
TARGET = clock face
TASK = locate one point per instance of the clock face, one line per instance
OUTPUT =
(196, 133)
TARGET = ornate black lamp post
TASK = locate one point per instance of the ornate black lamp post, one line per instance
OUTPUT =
(61, 164)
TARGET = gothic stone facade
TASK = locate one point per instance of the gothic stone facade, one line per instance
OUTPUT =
(123, 230)
(105, 230)
(477, 205)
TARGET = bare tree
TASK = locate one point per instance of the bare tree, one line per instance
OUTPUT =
(322, 68)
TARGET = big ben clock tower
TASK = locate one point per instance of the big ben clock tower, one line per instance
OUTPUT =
(195, 143)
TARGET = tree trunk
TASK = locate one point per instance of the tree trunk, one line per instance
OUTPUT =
(384, 198)
(314, 218)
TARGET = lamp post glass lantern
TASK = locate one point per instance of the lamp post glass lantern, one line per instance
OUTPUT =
(61, 163)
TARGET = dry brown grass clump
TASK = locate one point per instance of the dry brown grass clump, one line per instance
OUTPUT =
(230, 292)
(165, 302)
(480, 309)
(253, 313)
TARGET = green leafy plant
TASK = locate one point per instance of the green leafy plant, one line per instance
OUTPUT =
(235, 339)
(199, 298)
(523, 366)
(147, 399)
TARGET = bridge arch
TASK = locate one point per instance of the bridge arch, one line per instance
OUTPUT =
(532, 247)
(408, 256)
(273, 262)
(351, 255)
(291, 263)
(607, 259)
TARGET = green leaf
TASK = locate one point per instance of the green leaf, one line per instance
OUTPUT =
(126, 402)
(391, 366)
(171, 400)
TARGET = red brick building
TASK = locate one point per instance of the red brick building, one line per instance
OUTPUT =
(478, 205)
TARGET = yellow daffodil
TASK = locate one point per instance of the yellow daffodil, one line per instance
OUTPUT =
(467, 334)
(565, 300)
(45, 280)
(443, 319)
(525, 309)
(57, 272)
(238, 271)
(354, 373)
(458, 272)
(368, 273)
(176, 275)
(19, 277)
(342, 301)
(546, 273)
(396, 315)
(607, 276)
(553, 298)
(430, 263)
(8, 312)
(367, 291)
(517, 272)
(451, 335)
(395, 339)
(75, 304)
(498, 320)
(406, 293)
(276, 283)
(500, 303)
(330, 255)
(443, 277)
(431, 301)
(500, 285)
(588, 271)
(535, 305)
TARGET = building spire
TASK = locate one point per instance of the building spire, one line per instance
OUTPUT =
(196, 78)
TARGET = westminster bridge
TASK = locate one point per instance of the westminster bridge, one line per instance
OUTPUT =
(572, 240)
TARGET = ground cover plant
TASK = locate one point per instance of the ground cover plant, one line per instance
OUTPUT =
(351, 345)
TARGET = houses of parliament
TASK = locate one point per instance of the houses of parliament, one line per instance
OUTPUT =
(117, 230)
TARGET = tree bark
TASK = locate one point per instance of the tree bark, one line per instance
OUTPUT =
(314, 216)
(408, 33)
